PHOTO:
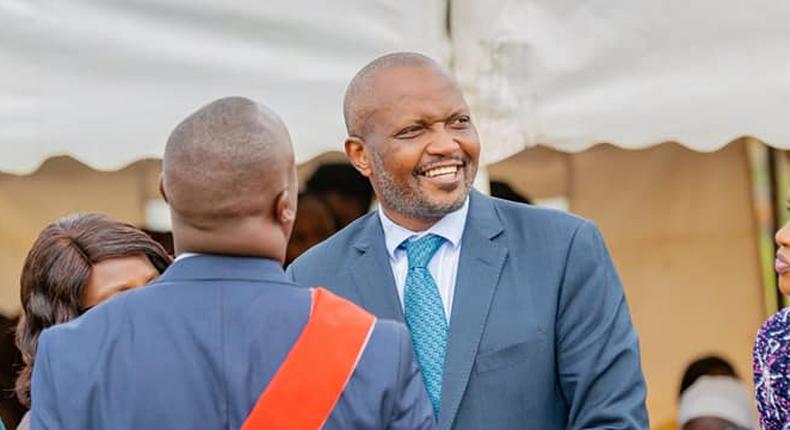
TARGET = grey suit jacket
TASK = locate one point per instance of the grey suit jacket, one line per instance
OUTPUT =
(195, 350)
(540, 335)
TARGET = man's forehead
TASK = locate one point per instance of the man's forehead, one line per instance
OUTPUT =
(415, 91)
(423, 110)
(411, 80)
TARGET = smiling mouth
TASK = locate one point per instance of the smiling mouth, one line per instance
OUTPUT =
(441, 171)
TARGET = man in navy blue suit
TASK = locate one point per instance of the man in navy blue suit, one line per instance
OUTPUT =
(196, 348)
(517, 315)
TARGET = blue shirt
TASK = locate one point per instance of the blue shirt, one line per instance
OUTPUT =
(443, 265)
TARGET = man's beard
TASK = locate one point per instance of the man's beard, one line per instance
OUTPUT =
(411, 201)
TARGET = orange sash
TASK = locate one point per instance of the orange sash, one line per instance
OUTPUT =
(303, 392)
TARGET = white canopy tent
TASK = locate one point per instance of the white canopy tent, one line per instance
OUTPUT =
(571, 74)
(106, 80)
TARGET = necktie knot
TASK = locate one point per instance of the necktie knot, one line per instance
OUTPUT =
(420, 251)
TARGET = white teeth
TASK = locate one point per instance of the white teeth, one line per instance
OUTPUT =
(441, 171)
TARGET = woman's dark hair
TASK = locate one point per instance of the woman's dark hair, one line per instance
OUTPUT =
(57, 269)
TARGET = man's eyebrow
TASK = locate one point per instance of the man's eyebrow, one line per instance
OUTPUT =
(420, 121)
(408, 122)
(459, 111)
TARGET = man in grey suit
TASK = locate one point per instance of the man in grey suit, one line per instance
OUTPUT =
(195, 349)
(517, 315)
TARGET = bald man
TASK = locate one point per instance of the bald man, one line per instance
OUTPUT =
(212, 343)
(517, 315)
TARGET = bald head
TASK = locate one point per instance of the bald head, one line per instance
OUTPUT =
(359, 103)
(229, 159)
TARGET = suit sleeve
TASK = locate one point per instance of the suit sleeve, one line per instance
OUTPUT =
(597, 347)
(412, 409)
(43, 411)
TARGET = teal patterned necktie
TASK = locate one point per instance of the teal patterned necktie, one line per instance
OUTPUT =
(424, 314)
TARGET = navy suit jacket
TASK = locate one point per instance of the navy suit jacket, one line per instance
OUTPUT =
(196, 348)
(540, 335)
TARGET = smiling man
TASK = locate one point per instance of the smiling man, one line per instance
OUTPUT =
(516, 313)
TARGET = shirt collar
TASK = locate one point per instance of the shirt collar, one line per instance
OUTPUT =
(184, 255)
(450, 227)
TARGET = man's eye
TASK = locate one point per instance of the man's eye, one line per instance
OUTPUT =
(460, 121)
(409, 132)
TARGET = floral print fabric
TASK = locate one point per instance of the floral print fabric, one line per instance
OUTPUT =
(772, 372)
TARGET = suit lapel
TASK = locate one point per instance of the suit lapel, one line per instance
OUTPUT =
(481, 261)
(372, 273)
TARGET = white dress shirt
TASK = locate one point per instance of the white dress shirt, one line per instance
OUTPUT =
(184, 255)
(444, 264)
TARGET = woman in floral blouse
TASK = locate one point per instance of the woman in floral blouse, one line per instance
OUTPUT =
(772, 351)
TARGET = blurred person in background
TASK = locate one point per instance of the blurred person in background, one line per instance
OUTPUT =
(708, 365)
(716, 403)
(314, 223)
(11, 411)
(344, 189)
(503, 190)
(74, 264)
(772, 351)
(711, 365)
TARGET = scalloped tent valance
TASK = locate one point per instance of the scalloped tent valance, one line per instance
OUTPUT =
(105, 81)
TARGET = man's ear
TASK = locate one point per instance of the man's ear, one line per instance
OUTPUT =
(162, 188)
(284, 209)
(357, 153)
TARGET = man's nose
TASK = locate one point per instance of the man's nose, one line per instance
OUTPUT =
(443, 143)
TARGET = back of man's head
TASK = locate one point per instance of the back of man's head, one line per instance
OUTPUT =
(229, 177)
